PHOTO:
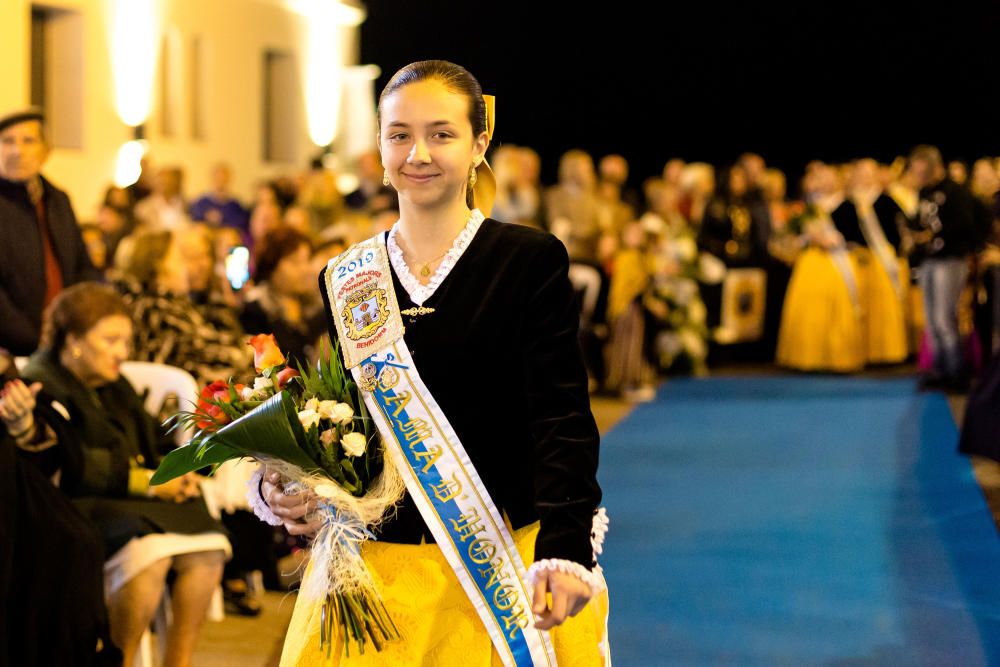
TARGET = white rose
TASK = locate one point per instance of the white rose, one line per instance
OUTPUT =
(354, 444)
(343, 413)
(308, 419)
(312, 404)
(262, 383)
(325, 409)
(247, 394)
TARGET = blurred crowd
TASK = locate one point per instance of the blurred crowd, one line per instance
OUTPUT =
(851, 265)
(691, 267)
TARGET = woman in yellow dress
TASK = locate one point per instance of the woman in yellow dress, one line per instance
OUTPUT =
(870, 222)
(821, 316)
(491, 323)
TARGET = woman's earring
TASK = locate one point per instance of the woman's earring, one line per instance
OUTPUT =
(385, 177)
(77, 353)
(472, 177)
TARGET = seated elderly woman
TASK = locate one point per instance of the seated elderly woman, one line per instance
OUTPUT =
(52, 608)
(147, 531)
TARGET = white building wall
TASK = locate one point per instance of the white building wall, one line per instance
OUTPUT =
(234, 34)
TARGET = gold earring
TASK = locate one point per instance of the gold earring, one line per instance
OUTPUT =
(473, 177)
(77, 353)
(385, 177)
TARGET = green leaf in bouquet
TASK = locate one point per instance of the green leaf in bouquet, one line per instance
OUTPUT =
(334, 373)
(271, 430)
(311, 444)
(331, 465)
(352, 482)
(192, 457)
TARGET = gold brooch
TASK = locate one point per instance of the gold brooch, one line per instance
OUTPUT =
(417, 312)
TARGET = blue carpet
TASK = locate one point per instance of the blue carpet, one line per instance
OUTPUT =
(797, 521)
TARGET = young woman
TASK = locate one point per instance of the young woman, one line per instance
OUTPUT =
(491, 326)
(821, 326)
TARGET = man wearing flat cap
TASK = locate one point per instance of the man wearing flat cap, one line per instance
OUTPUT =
(41, 250)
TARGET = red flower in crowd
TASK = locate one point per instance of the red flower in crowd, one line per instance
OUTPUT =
(218, 391)
(265, 351)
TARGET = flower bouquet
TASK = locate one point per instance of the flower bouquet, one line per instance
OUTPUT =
(311, 426)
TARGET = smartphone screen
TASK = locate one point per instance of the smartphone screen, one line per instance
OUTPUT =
(238, 267)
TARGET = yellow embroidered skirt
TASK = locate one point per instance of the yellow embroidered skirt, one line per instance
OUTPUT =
(884, 325)
(820, 322)
(438, 624)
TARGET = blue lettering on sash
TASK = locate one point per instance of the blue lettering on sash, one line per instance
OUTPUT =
(450, 514)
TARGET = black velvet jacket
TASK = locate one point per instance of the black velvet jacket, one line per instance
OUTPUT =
(890, 217)
(501, 357)
(108, 429)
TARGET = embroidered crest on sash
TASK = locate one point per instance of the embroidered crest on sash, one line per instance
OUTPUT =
(366, 311)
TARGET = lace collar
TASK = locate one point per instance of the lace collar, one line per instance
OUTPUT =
(420, 293)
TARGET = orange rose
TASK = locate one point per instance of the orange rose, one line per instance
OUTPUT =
(284, 375)
(265, 351)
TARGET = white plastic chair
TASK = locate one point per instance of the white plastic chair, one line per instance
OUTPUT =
(159, 381)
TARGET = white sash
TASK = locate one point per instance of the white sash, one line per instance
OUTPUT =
(842, 262)
(422, 444)
(874, 235)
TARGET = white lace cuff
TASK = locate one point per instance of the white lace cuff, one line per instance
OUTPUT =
(598, 530)
(256, 502)
(593, 578)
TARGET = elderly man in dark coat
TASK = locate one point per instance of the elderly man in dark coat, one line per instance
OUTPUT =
(41, 250)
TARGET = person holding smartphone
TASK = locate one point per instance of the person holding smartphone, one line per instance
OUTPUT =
(283, 301)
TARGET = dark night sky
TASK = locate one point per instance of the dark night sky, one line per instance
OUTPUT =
(707, 82)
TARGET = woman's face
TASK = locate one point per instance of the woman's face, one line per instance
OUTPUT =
(427, 144)
(265, 218)
(172, 273)
(294, 273)
(984, 177)
(957, 172)
(775, 188)
(737, 182)
(101, 350)
(265, 195)
(196, 252)
(580, 172)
